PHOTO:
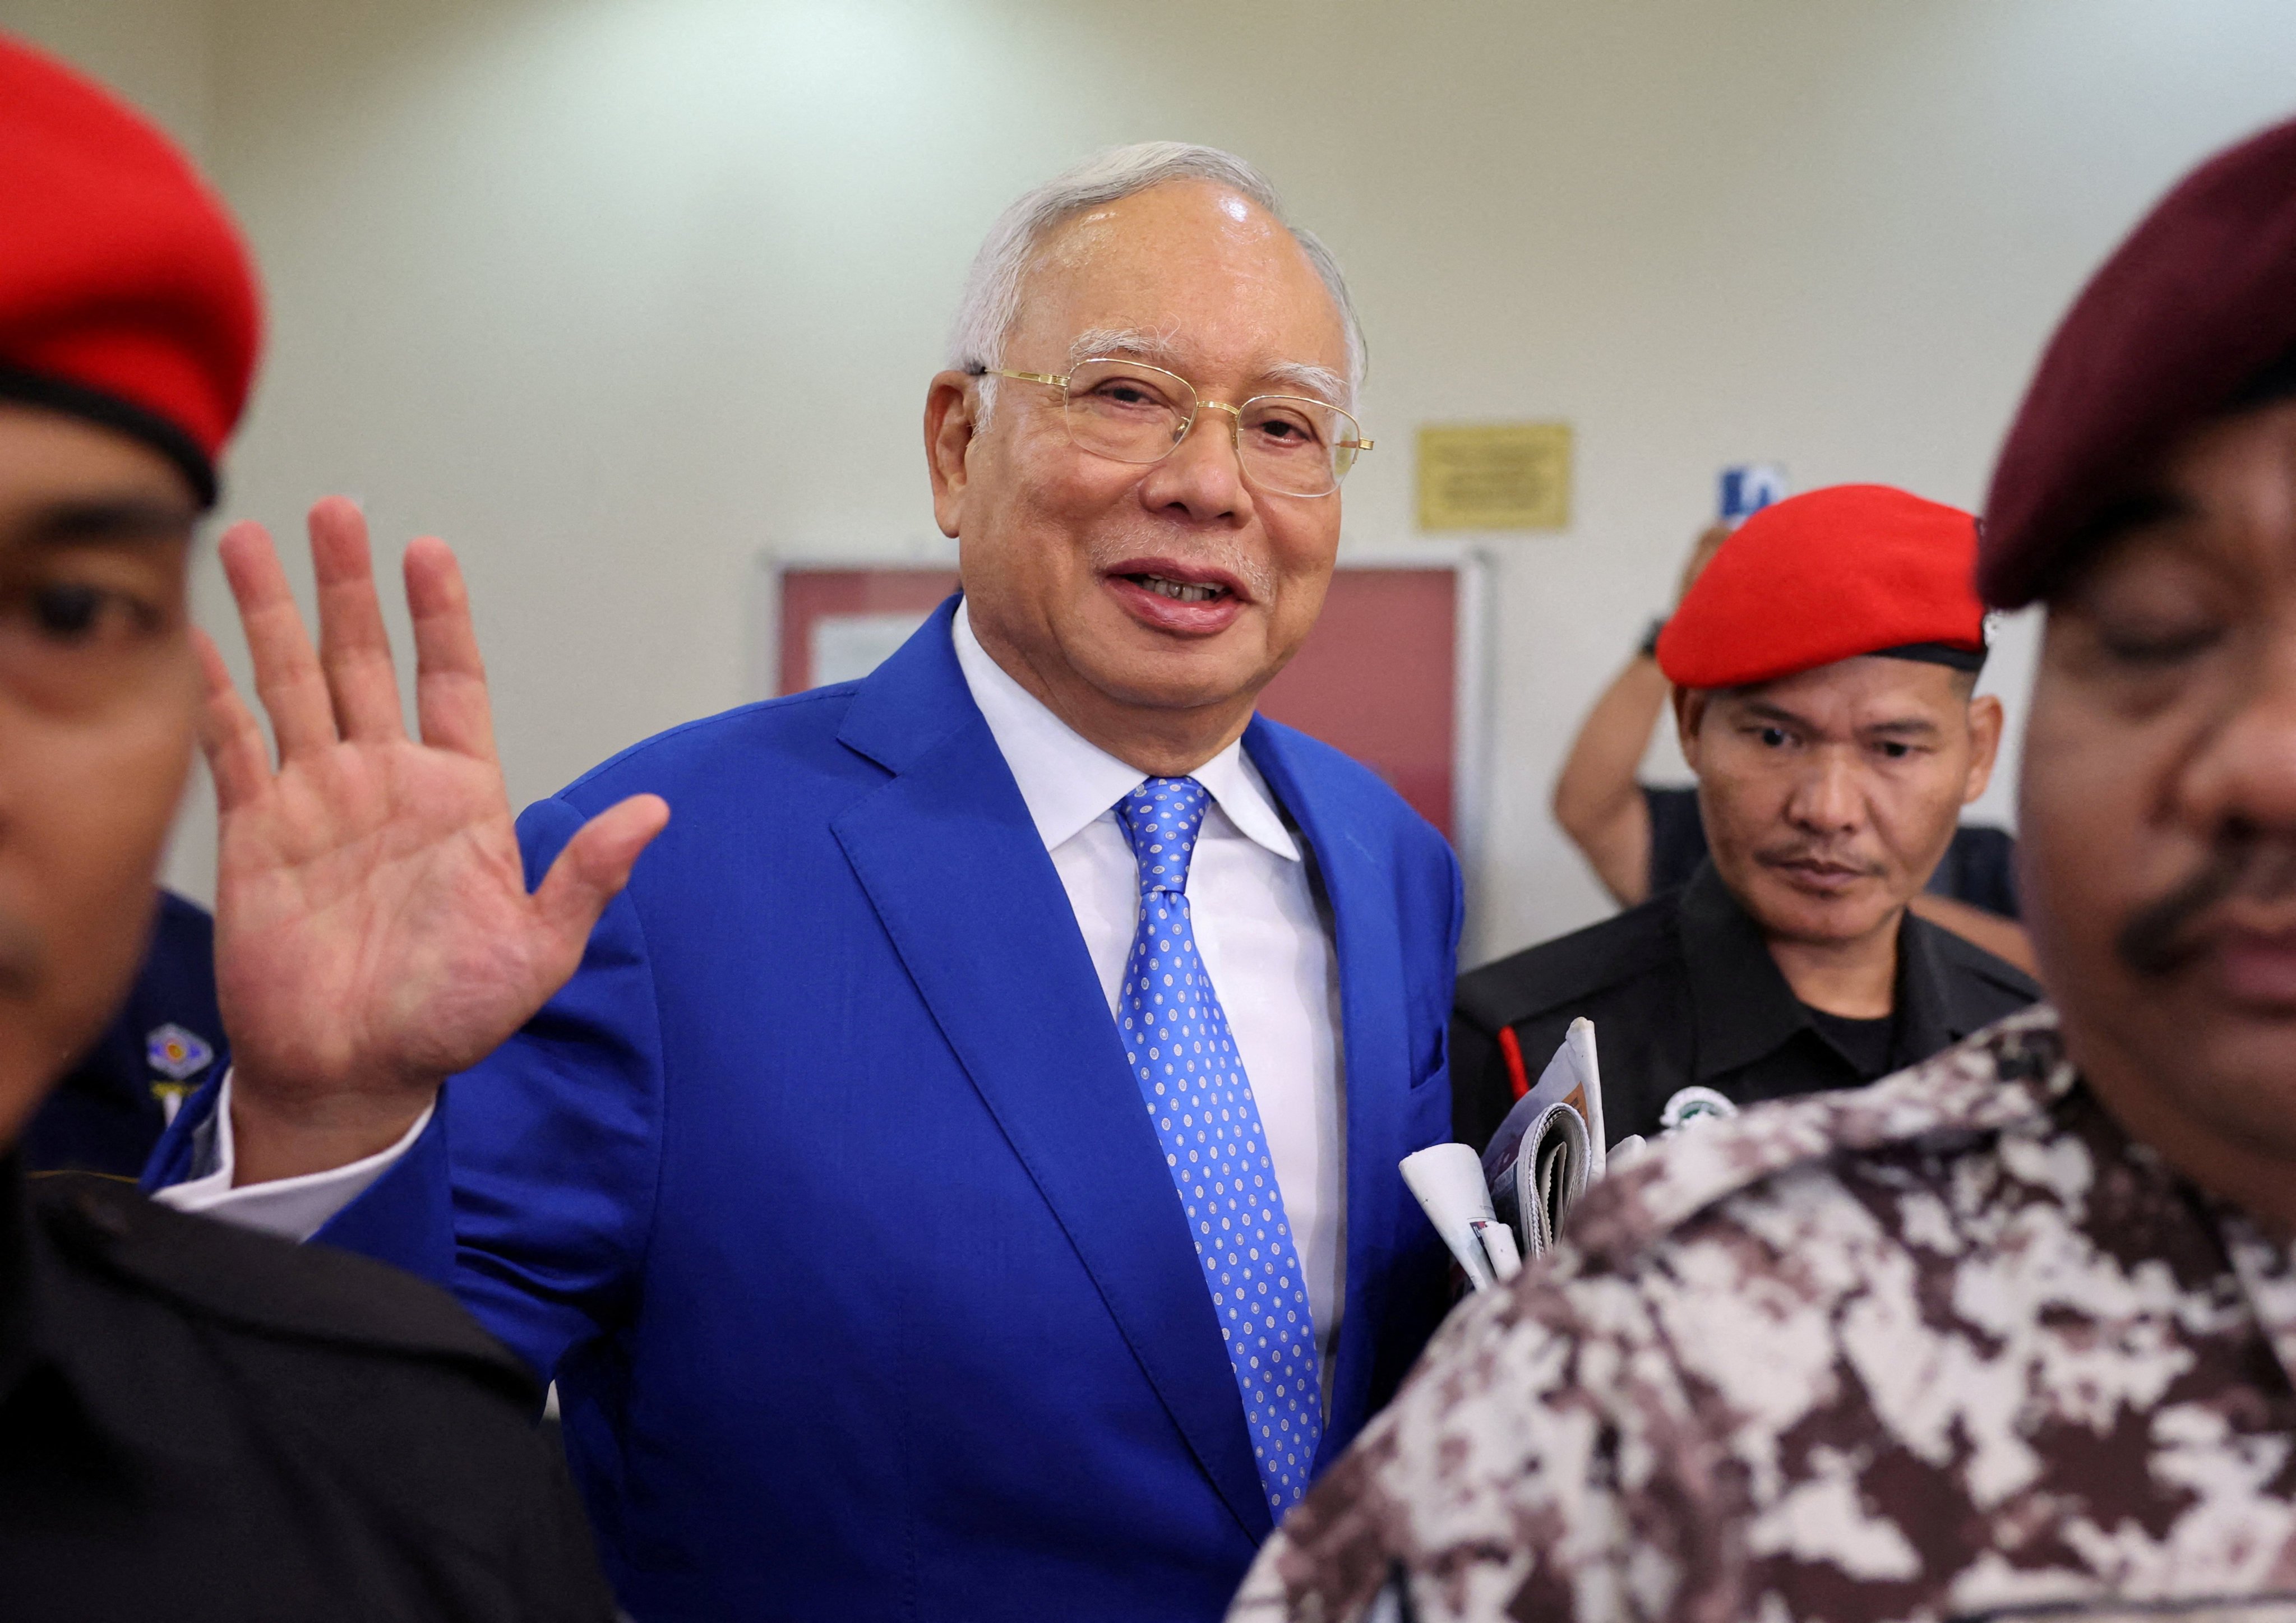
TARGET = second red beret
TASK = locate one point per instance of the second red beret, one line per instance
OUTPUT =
(1827, 575)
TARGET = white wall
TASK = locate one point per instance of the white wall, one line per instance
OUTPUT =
(614, 293)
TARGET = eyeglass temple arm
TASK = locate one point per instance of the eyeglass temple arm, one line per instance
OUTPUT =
(979, 371)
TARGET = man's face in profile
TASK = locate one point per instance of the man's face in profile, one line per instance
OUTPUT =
(2158, 808)
(1063, 550)
(98, 690)
(1830, 796)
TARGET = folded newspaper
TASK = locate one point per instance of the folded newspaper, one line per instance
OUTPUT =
(1510, 1203)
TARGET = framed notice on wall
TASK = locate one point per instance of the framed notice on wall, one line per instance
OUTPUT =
(1393, 674)
(1495, 476)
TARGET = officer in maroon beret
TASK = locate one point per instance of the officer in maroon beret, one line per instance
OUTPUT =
(195, 1421)
(1824, 666)
(2011, 1334)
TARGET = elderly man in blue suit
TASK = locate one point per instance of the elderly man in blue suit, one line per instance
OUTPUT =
(958, 1179)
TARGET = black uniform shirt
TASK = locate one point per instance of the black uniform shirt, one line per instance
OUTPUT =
(198, 1423)
(1682, 991)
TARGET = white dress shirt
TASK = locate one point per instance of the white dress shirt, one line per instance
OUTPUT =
(1258, 926)
(1261, 933)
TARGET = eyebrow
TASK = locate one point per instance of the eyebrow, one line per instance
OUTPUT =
(1284, 377)
(1320, 382)
(1761, 709)
(1153, 347)
(1906, 726)
(91, 520)
(2130, 514)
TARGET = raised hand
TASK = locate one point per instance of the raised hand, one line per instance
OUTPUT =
(374, 931)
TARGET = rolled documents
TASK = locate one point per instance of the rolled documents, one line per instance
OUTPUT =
(1447, 1179)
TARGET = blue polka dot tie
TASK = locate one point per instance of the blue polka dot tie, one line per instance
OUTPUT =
(1175, 1035)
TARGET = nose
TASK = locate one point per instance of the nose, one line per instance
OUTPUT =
(2243, 772)
(1203, 477)
(1827, 797)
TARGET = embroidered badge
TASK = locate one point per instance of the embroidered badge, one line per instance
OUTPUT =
(1694, 1103)
(176, 1053)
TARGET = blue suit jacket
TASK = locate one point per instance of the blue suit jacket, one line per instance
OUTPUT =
(825, 1191)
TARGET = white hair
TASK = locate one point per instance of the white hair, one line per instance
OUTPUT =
(992, 287)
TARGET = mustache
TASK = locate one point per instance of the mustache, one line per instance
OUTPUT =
(1202, 551)
(2162, 936)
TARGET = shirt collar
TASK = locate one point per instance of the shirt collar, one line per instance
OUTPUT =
(1067, 781)
(1740, 1002)
(1744, 1006)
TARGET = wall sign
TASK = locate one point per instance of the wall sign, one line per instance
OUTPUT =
(1495, 476)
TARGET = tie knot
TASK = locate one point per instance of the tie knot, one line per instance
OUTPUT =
(1161, 818)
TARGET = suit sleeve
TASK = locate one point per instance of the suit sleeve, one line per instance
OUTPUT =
(531, 1193)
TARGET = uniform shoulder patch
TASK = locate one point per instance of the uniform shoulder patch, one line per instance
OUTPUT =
(2009, 1074)
(1570, 969)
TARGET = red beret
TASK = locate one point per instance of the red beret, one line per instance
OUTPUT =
(1829, 575)
(2199, 299)
(126, 295)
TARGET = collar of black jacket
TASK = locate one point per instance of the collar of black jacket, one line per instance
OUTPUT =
(1745, 1011)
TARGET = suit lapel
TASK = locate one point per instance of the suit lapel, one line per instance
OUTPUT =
(1376, 1060)
(1008, 980)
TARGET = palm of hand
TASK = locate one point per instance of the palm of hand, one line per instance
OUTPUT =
(376, 922)
(374, 929)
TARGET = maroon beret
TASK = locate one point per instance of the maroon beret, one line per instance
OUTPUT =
(2199, 301)
(125, 294)
(1829, 575)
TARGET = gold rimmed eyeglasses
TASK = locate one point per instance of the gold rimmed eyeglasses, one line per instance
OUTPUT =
(1287, 444)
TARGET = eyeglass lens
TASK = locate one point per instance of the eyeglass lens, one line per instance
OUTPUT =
(1130, 413)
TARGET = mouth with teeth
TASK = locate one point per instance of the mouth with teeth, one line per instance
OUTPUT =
(1179, 591)
(1180, 598)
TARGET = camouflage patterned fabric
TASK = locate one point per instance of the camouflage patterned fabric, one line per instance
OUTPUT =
(1951, 1346)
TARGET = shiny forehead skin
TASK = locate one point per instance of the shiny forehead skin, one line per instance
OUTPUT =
(1221, 283)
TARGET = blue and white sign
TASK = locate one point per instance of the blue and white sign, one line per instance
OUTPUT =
(1748, 487)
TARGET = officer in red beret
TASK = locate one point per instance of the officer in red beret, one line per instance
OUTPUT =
(195, 1421)
(1824, 666)
(2011, 1334)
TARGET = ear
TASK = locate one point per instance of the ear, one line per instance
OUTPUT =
(1985, 724)
(1689, 711)
(951, 423)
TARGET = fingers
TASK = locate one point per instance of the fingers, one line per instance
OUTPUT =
(592, 869)
(229, 735)
(450, 679)
(287, 675)
(353, 648)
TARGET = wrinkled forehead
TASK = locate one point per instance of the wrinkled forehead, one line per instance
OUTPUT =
(1220, 285)
(1869, 690)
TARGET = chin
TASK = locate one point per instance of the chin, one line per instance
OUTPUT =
(1173, 676)
(1795, 915)
(2238, 1074)
(27, 1069)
